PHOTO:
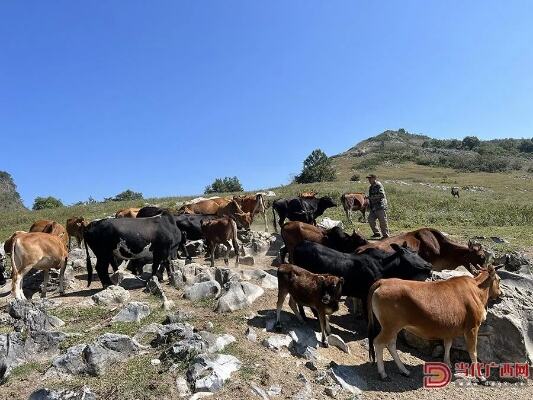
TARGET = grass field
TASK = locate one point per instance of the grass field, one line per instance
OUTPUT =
(415, 196)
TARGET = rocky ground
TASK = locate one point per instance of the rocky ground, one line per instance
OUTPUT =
(209, 332)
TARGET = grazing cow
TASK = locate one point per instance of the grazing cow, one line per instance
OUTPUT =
(435, 248)
(318, 291)
(301, 209)
(253, 204)
(431, 310)
(75, 226)
(221, 207)
(40, 251)
(51, 227)
(455, 191)
(295, 232)
(132, 238)
(221, 230)
(127, 212)
(360, 271)
(354, 202)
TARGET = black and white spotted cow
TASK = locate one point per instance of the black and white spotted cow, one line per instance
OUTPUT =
(116, 239)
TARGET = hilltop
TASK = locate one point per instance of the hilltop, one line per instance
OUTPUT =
(9, 197)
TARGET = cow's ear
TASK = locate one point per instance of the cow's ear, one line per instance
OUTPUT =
(404, 245)
(470, 244)
(395, 246)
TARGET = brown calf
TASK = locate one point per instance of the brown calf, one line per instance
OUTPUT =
(318, 291)
(51, 227)
(253, 204)
(221, 207)
(36, 250)
(75, 227)
(307, 195)
(430, 310)
(354, 202)
(220, 230)
(127, 212)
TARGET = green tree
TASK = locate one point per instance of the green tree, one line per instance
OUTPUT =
(126, 195)
(317, 168)
(470, 142)
(222, 185)
(40, 203)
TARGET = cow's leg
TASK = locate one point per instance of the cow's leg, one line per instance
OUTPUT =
(363, 212)
(228, 249)
(62, 277)
(323, 323)
(471, 345)
(78, 240)
(328, 328)
(16, 285)
(302, 313)
(282, 294)
(348, 216)
(394, 353)
(102, 267)
(184, 248)
(46, 278)
(212, 245)
(266, 221)
(69, 242)
(283, 254)
(382, 340)
(447, 348)
(294, 308)
(237, 250)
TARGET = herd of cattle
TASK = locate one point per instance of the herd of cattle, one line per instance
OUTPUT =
(388, 276)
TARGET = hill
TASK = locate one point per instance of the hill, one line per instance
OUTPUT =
(9, 197)
(468, 154)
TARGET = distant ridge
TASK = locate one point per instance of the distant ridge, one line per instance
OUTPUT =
(9, 197)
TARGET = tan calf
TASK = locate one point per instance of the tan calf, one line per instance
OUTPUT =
(430, 310)
(221, 230)
(40, 251)
(51, 227)
(127, 212)
(75, 227)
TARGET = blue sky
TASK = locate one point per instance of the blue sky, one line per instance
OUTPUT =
(162, 97)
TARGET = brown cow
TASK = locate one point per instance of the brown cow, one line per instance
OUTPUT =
(51, 227)
(130, 212)
(253, 204)
(75, 226)
(431, 310)
(220, 230)
(40, 251)
(435, 248)
(354, 202)
(221, 207)
(295, 232)
(321, 292)
(307, 195)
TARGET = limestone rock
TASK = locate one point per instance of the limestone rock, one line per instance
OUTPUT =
(132, 312)
(112, 296)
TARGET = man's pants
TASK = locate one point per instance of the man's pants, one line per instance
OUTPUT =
(373, 218)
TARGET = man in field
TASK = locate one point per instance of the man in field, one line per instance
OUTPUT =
(378, 208)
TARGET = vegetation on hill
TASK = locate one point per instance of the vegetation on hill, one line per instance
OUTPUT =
(41, 203)
(9, 197)
(126, 195)
(469, 154)
(224, 185)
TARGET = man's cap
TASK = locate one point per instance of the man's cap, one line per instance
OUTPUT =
(371, 176)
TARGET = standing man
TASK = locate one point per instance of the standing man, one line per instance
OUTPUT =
(378, 208)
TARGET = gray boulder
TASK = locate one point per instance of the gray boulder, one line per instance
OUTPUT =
(112, 296)
(63, 394)
(202, 290)
(94, 358)
(32, 316)
(348, 378)
(238, 295)
(132, 312)
(208, 372)
(262, 278)
(216, 343)
(277, 342)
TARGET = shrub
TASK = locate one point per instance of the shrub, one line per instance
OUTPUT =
(317, 168)
(126, 195)
(355, 178)
(40, 203)
(227, 184)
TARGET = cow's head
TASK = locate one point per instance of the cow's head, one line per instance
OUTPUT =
(326, 202)
(407, 264)
(477, 255)
(487, 277)
(344, 242)
(330, 288)
(243, 220)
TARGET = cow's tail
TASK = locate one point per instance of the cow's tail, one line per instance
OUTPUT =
(274, 218)
(89, 264)
(372, 329)
(14, 268)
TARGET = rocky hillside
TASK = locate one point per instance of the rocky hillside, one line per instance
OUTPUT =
(9, 197)
(469, 154)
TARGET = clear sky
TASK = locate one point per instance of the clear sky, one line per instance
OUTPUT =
(164, 96)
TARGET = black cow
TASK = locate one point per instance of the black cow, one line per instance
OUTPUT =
(191, 225)
(301, 209)
(360, 271)
(149, 211)
(131, 238)
(2, 270)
